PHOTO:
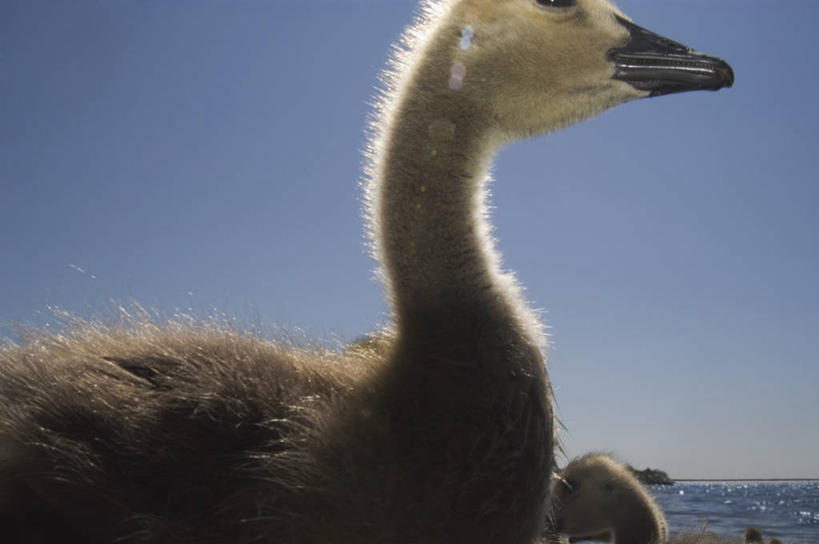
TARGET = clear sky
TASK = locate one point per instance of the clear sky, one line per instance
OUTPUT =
(203, 156)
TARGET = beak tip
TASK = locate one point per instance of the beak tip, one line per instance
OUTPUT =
(726, 73)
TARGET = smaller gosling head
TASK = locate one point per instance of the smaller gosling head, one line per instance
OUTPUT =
(598, 498)
(753, 536)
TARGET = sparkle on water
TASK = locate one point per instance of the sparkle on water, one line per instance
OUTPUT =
(788, 511)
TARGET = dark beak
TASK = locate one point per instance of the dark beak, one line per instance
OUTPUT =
(661, 66)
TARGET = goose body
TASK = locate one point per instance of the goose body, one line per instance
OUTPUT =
(444, 433)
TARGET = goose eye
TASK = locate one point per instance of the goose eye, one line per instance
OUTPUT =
(557, 3)
(570, 487)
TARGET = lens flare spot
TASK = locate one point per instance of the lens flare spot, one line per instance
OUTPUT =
(456, 76)
(466, 37)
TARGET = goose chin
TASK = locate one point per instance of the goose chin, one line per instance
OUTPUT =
(659, 66)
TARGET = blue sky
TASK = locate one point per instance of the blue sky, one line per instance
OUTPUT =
(204, 157)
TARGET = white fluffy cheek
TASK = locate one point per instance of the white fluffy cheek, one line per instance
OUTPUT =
(521, 113)
(589, 102)
(626, 92)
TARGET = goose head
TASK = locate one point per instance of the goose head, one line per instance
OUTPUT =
(535, 65)
(584, 497)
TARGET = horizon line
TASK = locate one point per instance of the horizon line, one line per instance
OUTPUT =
(745, 479)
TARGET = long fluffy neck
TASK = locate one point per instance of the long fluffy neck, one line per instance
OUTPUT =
(464, 387)
(432, 230)
(443, 276)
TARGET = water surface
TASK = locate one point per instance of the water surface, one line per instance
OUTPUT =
(788, 511)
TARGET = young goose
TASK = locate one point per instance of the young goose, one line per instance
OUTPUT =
(443, 435)
(598, 498)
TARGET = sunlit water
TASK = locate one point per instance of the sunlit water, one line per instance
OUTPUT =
(788, 511)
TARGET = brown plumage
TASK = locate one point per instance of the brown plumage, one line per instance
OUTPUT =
(442, 433)
(152, 434)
